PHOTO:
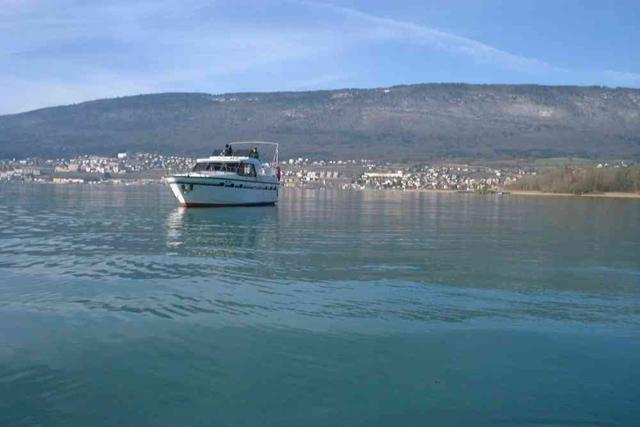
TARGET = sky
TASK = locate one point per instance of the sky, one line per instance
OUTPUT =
(68, 51)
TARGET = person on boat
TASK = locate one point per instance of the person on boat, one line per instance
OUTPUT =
(254, 153)
(228, 151)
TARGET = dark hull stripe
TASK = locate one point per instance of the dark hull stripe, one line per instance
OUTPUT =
(247, 185)
(220, 179)
(222, 205)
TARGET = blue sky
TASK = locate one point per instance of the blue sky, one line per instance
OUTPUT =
(67, 51)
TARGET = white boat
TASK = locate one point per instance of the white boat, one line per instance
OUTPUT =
(238, 178)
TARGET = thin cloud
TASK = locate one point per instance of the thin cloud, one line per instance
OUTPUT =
(388, 29)
(392, 29)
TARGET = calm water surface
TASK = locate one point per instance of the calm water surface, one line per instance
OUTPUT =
(333, 308)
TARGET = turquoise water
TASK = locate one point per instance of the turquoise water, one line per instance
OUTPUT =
(332, 308)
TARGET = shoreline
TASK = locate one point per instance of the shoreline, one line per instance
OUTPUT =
(506, 192)
(610, 195)
(500, 192)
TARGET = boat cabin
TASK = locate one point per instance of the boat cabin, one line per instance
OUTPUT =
(226, 165)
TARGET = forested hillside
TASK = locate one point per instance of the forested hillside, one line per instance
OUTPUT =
(421, 122)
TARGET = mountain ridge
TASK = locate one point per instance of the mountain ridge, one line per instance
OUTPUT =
(421, 122)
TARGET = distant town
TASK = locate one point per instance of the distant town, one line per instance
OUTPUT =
(361, 174)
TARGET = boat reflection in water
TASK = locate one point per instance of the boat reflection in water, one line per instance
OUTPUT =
(216, 232)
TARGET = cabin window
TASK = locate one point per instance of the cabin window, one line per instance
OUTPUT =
(231, 167)
(216, 167)
(247, 169)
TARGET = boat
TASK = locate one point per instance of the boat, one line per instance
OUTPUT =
(233, 177)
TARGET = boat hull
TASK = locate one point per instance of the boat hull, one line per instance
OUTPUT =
(218, 192)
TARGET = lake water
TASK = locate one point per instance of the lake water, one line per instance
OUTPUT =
(332, 308)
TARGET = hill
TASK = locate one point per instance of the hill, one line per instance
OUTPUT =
(428, 121)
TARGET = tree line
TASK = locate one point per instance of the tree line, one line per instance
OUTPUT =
(582, 180)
